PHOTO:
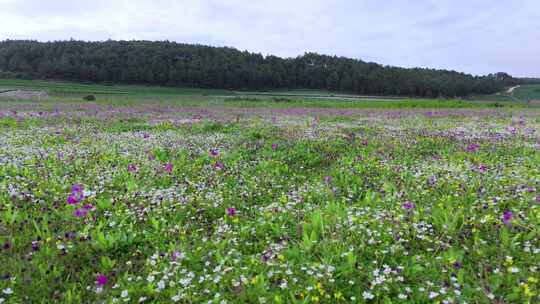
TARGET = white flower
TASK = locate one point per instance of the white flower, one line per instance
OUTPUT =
(2, 300)
(7, 291)
(433, 295)
(514, 270)
(124, 294)
(142, 299)
(367, 295)
(161, 284)
(402, 296)
(150, 278)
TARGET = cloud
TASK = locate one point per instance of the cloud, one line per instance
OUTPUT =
(473, 36)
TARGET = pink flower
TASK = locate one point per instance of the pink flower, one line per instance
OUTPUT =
(231, 211)
(132, 168)
(101, 280)
(219, 165)
(274, 146)
(168, 167)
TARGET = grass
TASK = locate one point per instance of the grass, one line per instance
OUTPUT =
(145, 203)
(528, 92)
(65, 92)
(71, 88)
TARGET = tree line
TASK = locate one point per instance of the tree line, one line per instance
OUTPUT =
(528, 80)
(187, 65)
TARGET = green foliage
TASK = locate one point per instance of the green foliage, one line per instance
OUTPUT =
(175, 64)
(302, 206)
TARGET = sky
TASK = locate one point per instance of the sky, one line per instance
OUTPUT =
(473, 36)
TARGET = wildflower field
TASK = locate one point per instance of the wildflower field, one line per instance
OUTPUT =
(105, 203)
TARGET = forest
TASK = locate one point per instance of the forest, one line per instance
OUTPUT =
(186, 65)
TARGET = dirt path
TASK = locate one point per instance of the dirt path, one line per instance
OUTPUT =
(19, 94)
(511, 90)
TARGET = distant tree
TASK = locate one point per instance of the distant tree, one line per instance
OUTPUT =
(332, 82)
(176, 64)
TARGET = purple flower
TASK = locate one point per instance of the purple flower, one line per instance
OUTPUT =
(35, 246)
(538, 199)
(168, 167)
(457, 265)
(80, 212)
(101, 280)
(176, 255)
(76, 195)
(72, 200)
(507, 217)
(482, 168)
(132, 168)
(213, 152)
(6, 245)
(327, 179)
(219, 165)
(77, 188)
(231, 211)
(88, 207)
(274, 146)
(407, 205)
(472, 148)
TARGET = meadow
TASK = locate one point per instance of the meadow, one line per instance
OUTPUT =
(528, 92)
(161, 195)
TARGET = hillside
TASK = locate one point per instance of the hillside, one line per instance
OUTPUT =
(175, 64)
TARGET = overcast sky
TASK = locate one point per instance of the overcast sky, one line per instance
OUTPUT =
(473, 36)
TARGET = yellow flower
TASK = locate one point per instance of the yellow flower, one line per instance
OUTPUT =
(527, 290)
